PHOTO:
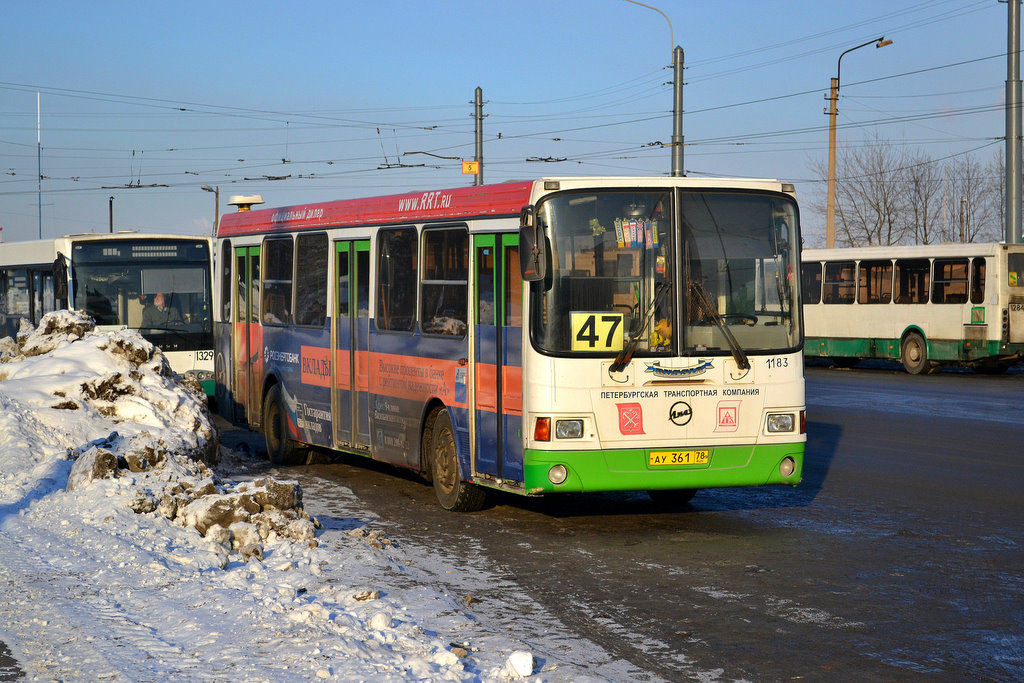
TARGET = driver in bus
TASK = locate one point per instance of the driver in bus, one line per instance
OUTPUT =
(160, 313)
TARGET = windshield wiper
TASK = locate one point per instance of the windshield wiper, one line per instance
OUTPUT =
(626, 354)
(701, 297)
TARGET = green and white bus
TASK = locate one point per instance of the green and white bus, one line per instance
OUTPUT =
(114, 277)
(926, 306)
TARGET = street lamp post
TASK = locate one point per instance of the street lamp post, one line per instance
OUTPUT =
(833, 113)
(677, 96)
(216, 208)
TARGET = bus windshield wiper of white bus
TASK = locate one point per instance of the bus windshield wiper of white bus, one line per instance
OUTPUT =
(700, 296)
(626, 354)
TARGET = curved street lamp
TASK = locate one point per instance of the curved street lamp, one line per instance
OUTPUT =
(216, 205)
(833, 113)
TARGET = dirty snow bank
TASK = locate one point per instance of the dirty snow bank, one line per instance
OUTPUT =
(125, 556)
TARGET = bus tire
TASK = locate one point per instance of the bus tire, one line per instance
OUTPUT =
(671, 499)
(914, 354)
(427, 446)
(280, 449)
(454, 494)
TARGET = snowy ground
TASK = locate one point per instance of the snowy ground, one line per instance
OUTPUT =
(125, 556)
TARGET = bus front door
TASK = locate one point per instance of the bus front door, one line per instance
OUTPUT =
(497, 381)
(350, 341)
(247, 337)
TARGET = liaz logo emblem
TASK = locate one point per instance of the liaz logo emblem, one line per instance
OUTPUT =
(700, 368)
(680, 413)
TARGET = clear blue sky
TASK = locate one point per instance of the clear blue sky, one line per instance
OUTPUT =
(340, 96)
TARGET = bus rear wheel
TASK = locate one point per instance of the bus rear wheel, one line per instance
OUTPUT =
(280, 449)
(914, 355)
(453, 493)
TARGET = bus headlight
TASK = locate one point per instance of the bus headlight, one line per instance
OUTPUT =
(557, 474)
(787, 467)
(780, 422)
(569, 429)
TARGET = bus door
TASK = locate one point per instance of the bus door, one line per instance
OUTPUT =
(42, 293)
(350, 341)
(497, 380)
(247, 336)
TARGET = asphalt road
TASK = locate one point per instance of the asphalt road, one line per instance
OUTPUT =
(900, 556)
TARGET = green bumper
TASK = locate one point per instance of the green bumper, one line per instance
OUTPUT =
(629, 469)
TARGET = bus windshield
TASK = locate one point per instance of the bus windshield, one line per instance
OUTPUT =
(160, 288)
(614, 281)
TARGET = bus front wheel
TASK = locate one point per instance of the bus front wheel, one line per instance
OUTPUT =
(280, 449)
(453, 493)
(914, 355)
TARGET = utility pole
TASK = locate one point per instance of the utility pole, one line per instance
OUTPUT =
(963, 203)
(833, 114)
(110, 212)
(677, 113)
(478, 115)
(830, 199)
(39, 162)
(1013, 125)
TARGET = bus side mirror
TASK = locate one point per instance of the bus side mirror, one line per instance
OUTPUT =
(533, 258)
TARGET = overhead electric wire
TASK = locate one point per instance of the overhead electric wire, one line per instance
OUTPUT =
(644, 85)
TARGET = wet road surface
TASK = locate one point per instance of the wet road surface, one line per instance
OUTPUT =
(899, 556)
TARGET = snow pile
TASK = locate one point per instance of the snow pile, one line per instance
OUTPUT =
(65, 365)
(126, 557)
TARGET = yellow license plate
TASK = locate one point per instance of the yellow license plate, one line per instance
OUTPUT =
(677, 458)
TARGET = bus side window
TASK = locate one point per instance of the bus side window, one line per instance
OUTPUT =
(243, 289)
(949, 281)
(978, 280)
(311, 281)
(225, 281)
(277, 281)
(875, 286)
(445, 272)
(485, 286)
(513, 289)
(840, 284)
(810, 275)
(911, 278)
(396, 279)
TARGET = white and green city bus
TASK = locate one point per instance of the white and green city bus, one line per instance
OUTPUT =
(926, 306)
(112, 277)
(545, 336)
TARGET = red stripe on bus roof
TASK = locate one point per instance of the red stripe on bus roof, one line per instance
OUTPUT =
(505, 199)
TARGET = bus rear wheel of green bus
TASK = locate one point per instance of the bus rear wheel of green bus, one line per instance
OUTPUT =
(453, 493)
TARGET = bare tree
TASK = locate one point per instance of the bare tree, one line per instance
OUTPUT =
(995, 192)
(869, 199)
(979, 215)
(885, 196)
(922, 188)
